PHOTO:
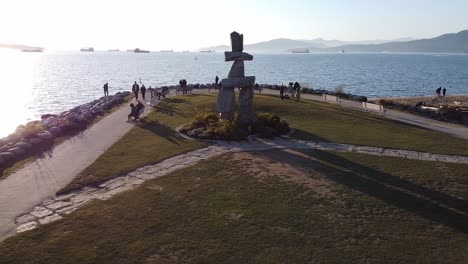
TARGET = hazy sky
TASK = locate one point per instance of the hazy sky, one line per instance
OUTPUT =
(184, 25)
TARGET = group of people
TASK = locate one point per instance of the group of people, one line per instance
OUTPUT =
(136, 89)
(439, 91)
(183, 87)
(136, 111)
(292, 91)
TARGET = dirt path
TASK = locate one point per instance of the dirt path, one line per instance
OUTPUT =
(26, 188)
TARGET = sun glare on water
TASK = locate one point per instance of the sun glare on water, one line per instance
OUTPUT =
(16, 82)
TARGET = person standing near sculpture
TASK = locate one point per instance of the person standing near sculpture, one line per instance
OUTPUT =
(281, 91)
(136, 89)
(444, 91)
(143, 91)
(106, 89)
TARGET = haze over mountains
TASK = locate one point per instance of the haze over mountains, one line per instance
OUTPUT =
(447, 43)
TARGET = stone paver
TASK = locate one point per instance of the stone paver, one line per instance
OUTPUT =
(53, 209)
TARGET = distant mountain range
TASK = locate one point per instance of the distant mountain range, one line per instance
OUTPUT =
(448, 43)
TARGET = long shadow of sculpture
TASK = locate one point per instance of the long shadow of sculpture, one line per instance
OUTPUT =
(161, 130)
(430, 204)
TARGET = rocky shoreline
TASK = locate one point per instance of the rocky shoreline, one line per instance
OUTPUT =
(453, 109)
(39, 136)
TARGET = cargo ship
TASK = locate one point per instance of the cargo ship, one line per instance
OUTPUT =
(90, 49)
(300, 51)
(137, 50)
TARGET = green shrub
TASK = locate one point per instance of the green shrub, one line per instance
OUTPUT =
(30, 129)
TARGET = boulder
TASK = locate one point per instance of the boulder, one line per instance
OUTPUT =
(56, 131)
(17, 151)
(7, 155)
(47, 116)
(24, 145)
(46, 135)
(35, 141)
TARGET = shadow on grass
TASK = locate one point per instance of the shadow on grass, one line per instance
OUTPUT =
(304, 135)
(161, 130)
(168, 109)
(422, 201)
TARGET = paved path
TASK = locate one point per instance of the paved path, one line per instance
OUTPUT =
(28, 187)
(56, 207)
(452, 129)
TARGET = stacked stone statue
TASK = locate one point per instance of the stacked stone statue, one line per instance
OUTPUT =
(237, 79)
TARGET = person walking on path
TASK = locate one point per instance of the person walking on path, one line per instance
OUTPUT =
(297, 90)
(143, 91)
(444, 91)
(106, 89)
(281, 90)
(136, 89)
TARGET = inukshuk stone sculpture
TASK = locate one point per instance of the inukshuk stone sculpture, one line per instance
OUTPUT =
(237, 79)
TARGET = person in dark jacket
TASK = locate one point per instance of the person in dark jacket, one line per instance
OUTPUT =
(143, 91)
(136, 89)
(106, 89)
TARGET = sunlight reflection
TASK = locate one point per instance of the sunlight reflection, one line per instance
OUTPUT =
(16, 89)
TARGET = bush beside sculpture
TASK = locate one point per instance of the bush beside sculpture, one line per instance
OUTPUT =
(209, 125)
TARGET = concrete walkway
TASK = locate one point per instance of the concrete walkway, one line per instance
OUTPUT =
(23, 190)
(56, 207)
(452, 129)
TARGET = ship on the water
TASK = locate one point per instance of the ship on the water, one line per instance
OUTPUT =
(300, 51)
(137, 50)
(90, 49)
(207, 51)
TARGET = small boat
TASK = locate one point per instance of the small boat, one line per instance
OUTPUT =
(90, 49)
(114, 50)
(137, 50)
(33, 50)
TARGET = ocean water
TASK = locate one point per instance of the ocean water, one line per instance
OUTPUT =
(32, 84)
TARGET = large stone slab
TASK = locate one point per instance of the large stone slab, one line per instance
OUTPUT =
(237, 41)
(226, 103)
(237, 56)
(237, 70)
(238, 82)
(246, 114)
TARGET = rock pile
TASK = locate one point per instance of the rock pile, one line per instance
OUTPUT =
(24, 142)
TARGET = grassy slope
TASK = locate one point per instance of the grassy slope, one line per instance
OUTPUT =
(153, 140)
(379, 210)
(327, 122)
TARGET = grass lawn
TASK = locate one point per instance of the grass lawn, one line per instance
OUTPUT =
(152, 140)
(328, 122)
(318, 207)
(155, 139)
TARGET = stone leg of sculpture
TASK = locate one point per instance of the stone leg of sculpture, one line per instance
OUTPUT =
(225, 103)
(246, 114)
